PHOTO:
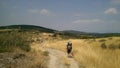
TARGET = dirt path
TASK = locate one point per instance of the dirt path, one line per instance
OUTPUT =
(59, 59)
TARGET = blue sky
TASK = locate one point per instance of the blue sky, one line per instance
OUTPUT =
(82, 15)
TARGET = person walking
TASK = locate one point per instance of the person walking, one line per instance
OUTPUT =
(69, 49)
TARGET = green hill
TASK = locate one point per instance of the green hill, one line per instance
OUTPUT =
(28, 28)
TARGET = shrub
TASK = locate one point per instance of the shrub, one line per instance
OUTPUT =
(45, 53)
(112, 46)
(110, 38)
(119, 46)
(102, 40)
(103, 45)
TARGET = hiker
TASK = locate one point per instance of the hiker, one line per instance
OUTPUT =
(69, 49)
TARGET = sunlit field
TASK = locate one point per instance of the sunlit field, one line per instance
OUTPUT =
(92, 53)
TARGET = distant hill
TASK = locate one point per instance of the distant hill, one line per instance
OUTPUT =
(74, 32)
(88, 34)
(28, 28)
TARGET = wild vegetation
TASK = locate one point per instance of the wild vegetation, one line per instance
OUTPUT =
(11, 41)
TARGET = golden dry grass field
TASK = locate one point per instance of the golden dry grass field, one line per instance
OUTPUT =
(90, 53)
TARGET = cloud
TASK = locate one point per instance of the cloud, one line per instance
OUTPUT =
(44, 12)
(111, 11)
(115, 1)
(88, 21)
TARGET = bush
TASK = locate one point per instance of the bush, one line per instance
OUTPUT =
(112, 46)
(103, 45)
(110, 38)
(45, 53)
(102, 40)
(119, 46)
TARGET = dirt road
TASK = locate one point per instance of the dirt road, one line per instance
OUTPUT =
(59, 59)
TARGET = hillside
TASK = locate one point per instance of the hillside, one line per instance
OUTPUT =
(89, 34)
(28, 28)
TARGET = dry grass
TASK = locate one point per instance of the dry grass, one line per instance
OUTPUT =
(21, 59)
(40, 59)
(65, 61)
(89, 53)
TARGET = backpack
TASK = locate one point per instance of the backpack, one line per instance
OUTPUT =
(69, 45)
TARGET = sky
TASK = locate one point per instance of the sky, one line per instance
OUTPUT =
(101, 16)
